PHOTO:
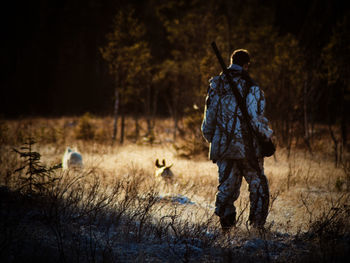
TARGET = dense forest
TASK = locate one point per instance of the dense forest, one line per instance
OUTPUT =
(72, 57)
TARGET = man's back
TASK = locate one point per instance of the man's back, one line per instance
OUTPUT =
(223, 125)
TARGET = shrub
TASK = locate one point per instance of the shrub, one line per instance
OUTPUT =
(193, 142)
(85, 129)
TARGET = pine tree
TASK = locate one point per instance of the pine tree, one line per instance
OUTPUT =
(37, 176)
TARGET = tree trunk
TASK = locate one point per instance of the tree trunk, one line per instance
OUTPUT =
(137, 126)
(306, 122)
(306, 125)
(148, 109)
(344, 129)
(335, 142)
(175, 127)
(115, 124)
(122, 128)
(172, 110)
(154, 108)
(343, 125)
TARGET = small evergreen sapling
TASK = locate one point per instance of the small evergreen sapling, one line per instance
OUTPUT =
(37, 177)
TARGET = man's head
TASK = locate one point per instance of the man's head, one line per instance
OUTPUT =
(241, 57)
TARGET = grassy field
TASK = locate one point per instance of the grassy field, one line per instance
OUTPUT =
(115, 210)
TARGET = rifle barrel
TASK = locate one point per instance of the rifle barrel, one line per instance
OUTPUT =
(218, 55)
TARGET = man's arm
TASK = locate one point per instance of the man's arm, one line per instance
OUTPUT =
(255, 102)
(210, 111)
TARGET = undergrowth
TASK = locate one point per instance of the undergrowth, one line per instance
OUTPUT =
(119, 215)
(80, 218)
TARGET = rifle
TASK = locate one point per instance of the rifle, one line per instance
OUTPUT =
(268, 148)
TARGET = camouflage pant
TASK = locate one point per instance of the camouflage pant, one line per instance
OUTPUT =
(230, 180)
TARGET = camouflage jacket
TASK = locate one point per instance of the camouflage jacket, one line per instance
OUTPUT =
(223, 126)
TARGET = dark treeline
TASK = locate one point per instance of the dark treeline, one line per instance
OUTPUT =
(69, 57)
(57, 68)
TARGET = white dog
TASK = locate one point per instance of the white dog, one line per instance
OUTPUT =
(72, 159)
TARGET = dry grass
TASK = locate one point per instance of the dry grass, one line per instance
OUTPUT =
(304, 188)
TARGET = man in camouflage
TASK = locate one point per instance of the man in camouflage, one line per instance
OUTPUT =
(236, 152)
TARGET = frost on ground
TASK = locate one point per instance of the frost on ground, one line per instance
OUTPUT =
(180, 199)
(32, 230)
